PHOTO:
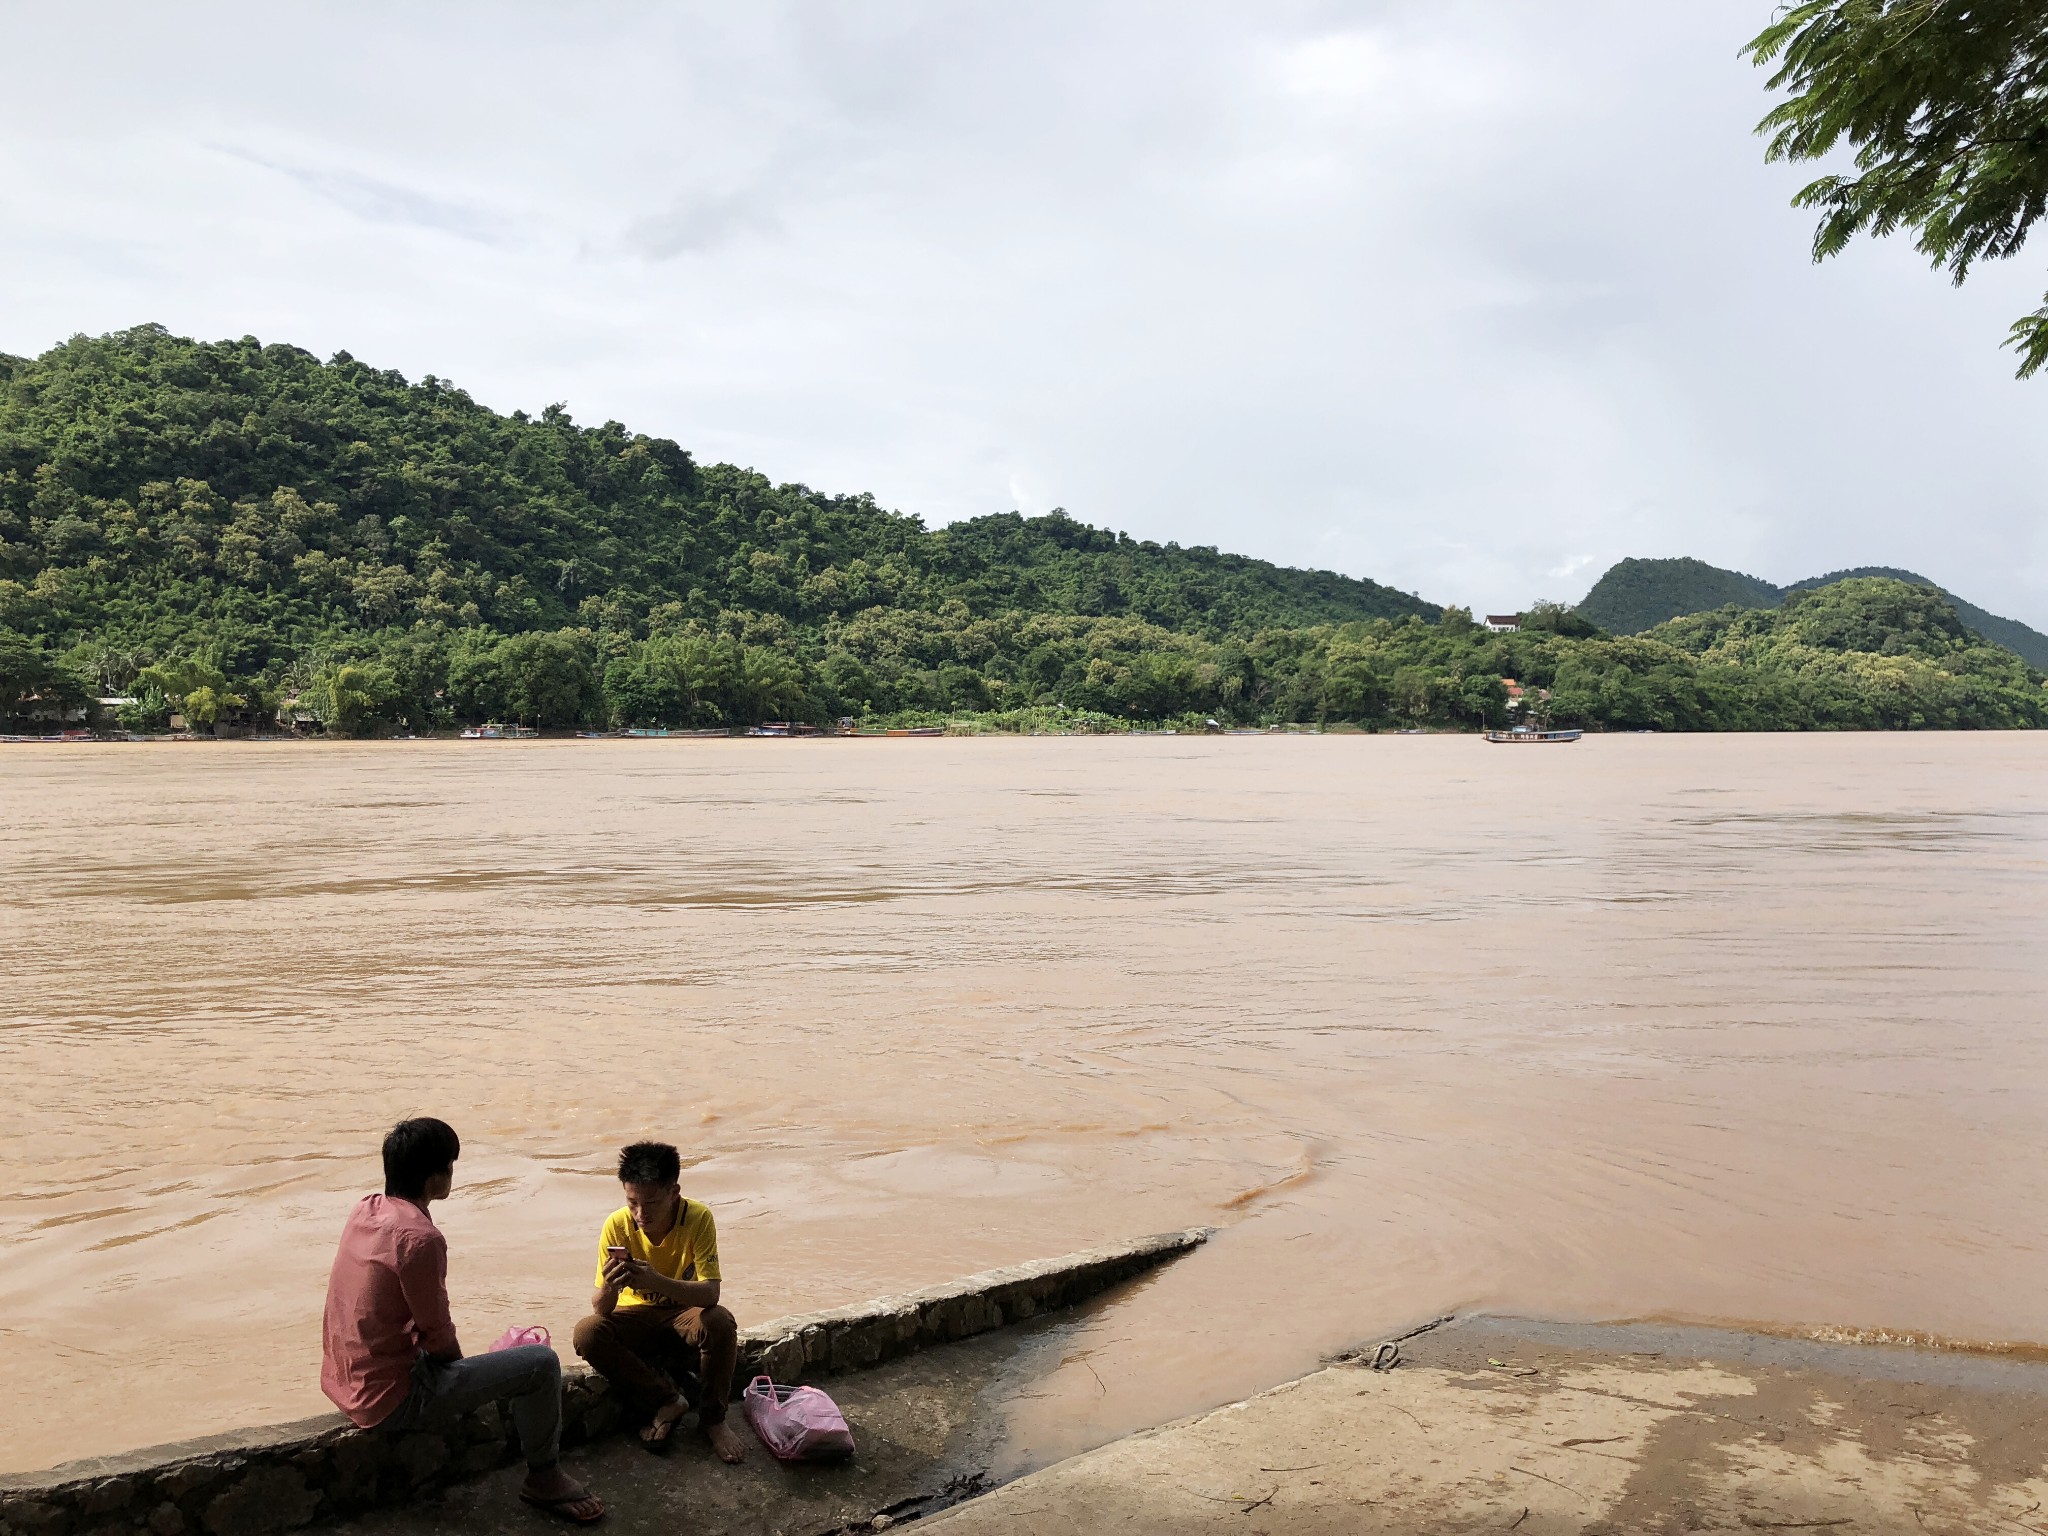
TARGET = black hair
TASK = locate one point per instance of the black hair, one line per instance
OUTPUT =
(650, 1162)
(414, 1152)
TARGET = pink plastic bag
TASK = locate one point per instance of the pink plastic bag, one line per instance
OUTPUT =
(797, 1423)
(515, 1338)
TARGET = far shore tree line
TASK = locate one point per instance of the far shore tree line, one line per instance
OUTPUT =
(1866, 653)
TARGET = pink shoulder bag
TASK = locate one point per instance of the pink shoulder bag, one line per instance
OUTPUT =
(519, 1338)
(797, 1423)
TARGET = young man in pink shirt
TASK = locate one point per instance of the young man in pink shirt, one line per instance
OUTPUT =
(390, 1356)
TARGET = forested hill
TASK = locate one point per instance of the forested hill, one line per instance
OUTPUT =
(2010, 633)
(1634, 595)
(1637, 595)
(167, 494)
(237, 534)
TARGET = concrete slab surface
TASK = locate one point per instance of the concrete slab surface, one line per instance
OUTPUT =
(924, 1426)
(1502, 1425)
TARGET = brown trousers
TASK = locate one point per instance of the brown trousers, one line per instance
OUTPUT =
(636, 1347)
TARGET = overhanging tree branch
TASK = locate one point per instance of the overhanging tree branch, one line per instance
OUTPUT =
(1945, 103)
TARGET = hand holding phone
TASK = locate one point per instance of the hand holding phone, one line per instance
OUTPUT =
(618, 1268)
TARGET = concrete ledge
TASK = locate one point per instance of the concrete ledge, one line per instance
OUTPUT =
(272, 1478)
(812, 1344)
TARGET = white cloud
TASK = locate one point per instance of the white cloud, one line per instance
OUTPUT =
(700, 222)
(385, 202)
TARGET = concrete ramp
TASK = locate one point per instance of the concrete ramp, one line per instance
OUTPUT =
(1549, 1430)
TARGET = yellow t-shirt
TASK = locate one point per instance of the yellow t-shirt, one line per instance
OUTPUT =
(689, 1252)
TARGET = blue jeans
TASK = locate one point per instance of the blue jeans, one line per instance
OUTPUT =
(529, 1376)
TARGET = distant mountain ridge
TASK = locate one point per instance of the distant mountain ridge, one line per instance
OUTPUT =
(1636, 595)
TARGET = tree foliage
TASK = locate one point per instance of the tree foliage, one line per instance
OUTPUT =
(1945, 103)
(167, 495)
(1865, 653)
(1636, 595)
(2010, 633)
(28, 671)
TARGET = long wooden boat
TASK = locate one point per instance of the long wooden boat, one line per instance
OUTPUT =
(1524, 735)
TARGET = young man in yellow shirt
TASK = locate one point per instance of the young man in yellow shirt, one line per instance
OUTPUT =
(656, 1306)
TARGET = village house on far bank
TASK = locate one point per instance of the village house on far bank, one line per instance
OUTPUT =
(45, 708)
(1519, 698)
(1503, 623)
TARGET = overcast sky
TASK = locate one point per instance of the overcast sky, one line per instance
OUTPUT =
(1471, 298)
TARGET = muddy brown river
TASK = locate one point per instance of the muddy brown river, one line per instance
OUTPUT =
(1718, 1028)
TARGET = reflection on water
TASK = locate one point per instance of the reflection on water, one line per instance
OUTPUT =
(1738, 1028)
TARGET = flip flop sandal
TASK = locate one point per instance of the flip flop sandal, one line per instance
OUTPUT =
(665, 1442)
(559, 1508)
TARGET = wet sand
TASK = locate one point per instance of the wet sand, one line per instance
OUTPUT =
(1715, 1028)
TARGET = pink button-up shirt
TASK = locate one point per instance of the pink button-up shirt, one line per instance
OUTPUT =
(387, 1299)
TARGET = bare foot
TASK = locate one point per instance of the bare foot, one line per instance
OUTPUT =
(657, 1432)
(726, 1443)
(557, 1492)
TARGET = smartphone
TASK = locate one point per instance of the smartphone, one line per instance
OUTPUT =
(616, 1250)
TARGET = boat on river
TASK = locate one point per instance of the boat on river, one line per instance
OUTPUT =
(1522, 734)
(493, 731)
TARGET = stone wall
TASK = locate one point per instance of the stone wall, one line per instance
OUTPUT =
(274, 1478)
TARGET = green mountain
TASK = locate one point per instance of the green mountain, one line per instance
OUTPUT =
(2010, 633)
(155, 491)
(1636, 595)
(1860, 652)
(229, 530)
